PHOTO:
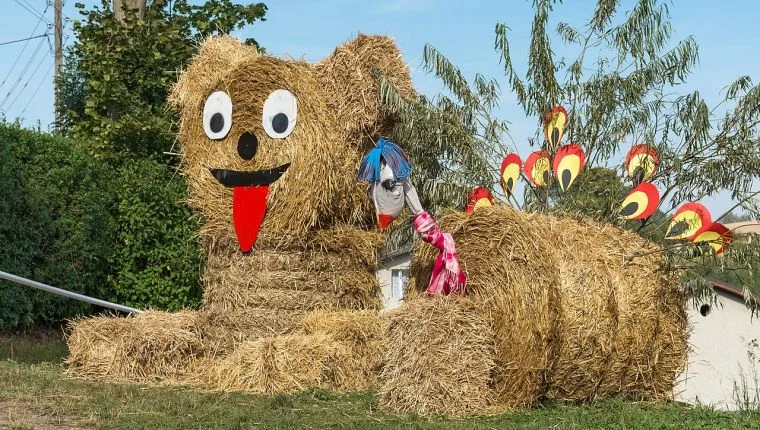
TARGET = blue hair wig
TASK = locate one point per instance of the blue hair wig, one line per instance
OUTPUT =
(394, 157)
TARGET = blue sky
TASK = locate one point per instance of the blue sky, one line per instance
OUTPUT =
(463, 30)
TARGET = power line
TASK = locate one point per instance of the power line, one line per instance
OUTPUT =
(23, 73)
(25, 39)
(20, 54)
(36, 90)
(32, 7)
(32, 11)
(21, 91)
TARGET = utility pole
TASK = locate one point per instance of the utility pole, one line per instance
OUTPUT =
(58, 60)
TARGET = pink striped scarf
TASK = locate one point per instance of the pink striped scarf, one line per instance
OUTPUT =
(447, 277)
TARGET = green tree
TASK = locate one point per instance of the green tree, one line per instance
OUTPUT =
(119, 71)
(619, 84)
(597, 193)
(452, 139)
(155, 260)
(114, 88)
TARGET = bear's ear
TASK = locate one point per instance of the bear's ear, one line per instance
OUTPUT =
(216, 56)
(353, 93)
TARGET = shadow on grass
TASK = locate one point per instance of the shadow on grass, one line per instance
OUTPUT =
(34, 346)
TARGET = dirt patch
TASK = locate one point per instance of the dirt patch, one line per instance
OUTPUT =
(19, 414)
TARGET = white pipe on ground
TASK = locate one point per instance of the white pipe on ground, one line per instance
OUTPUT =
(65, 293)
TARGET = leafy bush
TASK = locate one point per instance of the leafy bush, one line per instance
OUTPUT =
(155, 261)
(73, 222)
(53, 225)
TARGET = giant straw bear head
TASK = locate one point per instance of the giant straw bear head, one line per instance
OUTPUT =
(278, 141)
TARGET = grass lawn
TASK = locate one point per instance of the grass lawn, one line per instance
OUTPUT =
(33, 394)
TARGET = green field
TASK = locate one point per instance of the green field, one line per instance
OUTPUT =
(34, 394)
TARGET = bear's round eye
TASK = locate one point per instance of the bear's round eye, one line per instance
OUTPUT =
(217, 115)
(280, 112)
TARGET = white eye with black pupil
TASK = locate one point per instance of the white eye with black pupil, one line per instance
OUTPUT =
(217, 115)
(279, 114)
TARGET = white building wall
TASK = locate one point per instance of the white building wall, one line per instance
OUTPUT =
(399, 262)
(724, 360)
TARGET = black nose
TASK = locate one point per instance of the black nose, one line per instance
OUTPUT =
(247, 146)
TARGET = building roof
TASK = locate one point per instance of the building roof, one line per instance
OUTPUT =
(386, 254)
(744, 227)
(731, 290)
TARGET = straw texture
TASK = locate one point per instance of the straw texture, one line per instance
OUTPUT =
(440, 358)
(315, 251)
(572, 318)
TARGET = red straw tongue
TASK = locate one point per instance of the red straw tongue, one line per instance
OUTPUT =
(249, 205)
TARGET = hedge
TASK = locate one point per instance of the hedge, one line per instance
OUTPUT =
(120, 234)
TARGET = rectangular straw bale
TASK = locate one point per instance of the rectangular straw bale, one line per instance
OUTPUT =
(440, 355)
(238, 325)
(279, 364)
(220, 299)
(339, 247)
(363, 333)
(317, 256)
(292, 290)
(147, 347)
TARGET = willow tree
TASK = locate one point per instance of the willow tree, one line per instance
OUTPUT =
(620, 86)
(452, 139)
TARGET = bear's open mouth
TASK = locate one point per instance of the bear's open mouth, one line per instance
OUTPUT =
(249, 199)
(237, 178)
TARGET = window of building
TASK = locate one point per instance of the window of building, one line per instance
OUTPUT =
(398, 283)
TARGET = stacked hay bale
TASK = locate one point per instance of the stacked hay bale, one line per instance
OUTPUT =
(441, 358)
(315, 250)
(336, 350)
(362, 334)
(149, 347)
(288, 284)
(573, 316)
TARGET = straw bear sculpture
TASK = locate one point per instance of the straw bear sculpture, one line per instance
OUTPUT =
(271, 149)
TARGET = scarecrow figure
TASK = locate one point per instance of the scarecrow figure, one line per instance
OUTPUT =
(387, 168)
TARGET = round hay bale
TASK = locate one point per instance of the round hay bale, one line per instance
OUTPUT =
(590, 309)
(512, 271)
(440, 358)
(669, 350)
(615, 312)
